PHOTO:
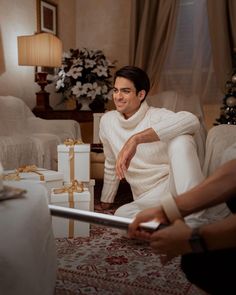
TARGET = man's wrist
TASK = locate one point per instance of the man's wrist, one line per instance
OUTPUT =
(170, 208)
(136, 139)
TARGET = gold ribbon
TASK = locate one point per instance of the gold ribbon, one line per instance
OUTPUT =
(74, 187)
(71, 143)
(24, 169)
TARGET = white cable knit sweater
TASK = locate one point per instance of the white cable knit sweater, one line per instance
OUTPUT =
(150, 165)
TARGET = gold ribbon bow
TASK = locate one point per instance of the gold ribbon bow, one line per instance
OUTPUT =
(24, 169)
(71, 143)
(74, 187)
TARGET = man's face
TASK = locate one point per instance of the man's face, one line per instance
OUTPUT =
(126, 98)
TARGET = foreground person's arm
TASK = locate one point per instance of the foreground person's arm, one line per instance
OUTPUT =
(174, 239)
(216, 189)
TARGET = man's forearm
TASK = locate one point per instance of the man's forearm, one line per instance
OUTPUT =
(148, 135)
(216, 189)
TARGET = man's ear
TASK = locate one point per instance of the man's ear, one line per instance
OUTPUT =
(141, 94)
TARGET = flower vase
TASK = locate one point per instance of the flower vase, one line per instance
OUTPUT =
(97, 105)
(84, 101)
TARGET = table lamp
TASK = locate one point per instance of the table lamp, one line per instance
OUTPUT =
(41, 50)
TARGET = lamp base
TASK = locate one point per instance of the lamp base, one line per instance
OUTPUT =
(42, 101)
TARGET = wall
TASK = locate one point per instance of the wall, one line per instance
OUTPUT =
(19, 18)
(102, 24)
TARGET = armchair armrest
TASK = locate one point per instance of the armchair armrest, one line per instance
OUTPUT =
(66, 128)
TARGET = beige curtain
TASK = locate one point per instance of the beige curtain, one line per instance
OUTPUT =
(152, 29)
(222, 27)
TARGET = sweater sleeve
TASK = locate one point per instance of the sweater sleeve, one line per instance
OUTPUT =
(168, 124)
(110, 181)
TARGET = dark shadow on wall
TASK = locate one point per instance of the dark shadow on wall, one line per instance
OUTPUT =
(2, 63)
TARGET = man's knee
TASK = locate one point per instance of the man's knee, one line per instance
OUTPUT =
(185, 166)
(182, 144)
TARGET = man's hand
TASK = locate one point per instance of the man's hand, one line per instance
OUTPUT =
(125, 156)
(129, 149)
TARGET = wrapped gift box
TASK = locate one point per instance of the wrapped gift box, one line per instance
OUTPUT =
(67, 228)
(49, 178)
(90, 186)
(74, 162)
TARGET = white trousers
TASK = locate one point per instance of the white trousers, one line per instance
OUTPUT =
(185, 173)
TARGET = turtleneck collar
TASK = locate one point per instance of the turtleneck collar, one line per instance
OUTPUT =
(133, 121)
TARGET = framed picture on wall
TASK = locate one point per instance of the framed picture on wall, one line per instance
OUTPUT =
(46, 22)
(46, 17)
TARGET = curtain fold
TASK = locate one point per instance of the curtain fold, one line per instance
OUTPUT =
(222, 24)
(152, 30)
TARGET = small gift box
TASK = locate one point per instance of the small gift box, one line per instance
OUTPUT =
(74, 160)
(72, 196)
(49, 178)
(90, 186)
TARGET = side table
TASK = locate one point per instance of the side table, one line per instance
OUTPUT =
(85, 118)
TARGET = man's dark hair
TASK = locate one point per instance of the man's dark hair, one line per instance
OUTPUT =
(138, 76)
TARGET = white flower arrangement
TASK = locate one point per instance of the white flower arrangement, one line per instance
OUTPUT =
(85, 73)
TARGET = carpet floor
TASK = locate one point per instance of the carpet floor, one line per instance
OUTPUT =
(107, 262)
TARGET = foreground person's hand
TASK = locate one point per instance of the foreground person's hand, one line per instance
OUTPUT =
(150, 214)
(172, 241)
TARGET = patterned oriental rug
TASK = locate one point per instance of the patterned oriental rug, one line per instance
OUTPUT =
(109, 263)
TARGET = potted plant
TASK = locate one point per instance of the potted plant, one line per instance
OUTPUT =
(86, 75)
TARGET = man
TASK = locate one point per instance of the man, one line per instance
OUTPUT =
(152, 148)
(210, 250)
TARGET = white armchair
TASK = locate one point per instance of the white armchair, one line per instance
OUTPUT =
(26, 139)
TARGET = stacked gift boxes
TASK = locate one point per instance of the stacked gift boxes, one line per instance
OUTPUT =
(74, 164)
(74, 195)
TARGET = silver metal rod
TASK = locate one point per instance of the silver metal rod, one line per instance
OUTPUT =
(99, 218)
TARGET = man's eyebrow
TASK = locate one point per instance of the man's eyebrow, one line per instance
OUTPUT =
(123, 88)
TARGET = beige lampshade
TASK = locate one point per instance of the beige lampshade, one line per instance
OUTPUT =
(42, 49)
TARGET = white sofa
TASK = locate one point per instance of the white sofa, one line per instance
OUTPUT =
(26, 139)
(220, 147)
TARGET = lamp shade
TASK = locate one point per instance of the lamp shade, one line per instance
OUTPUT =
(42, 49)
